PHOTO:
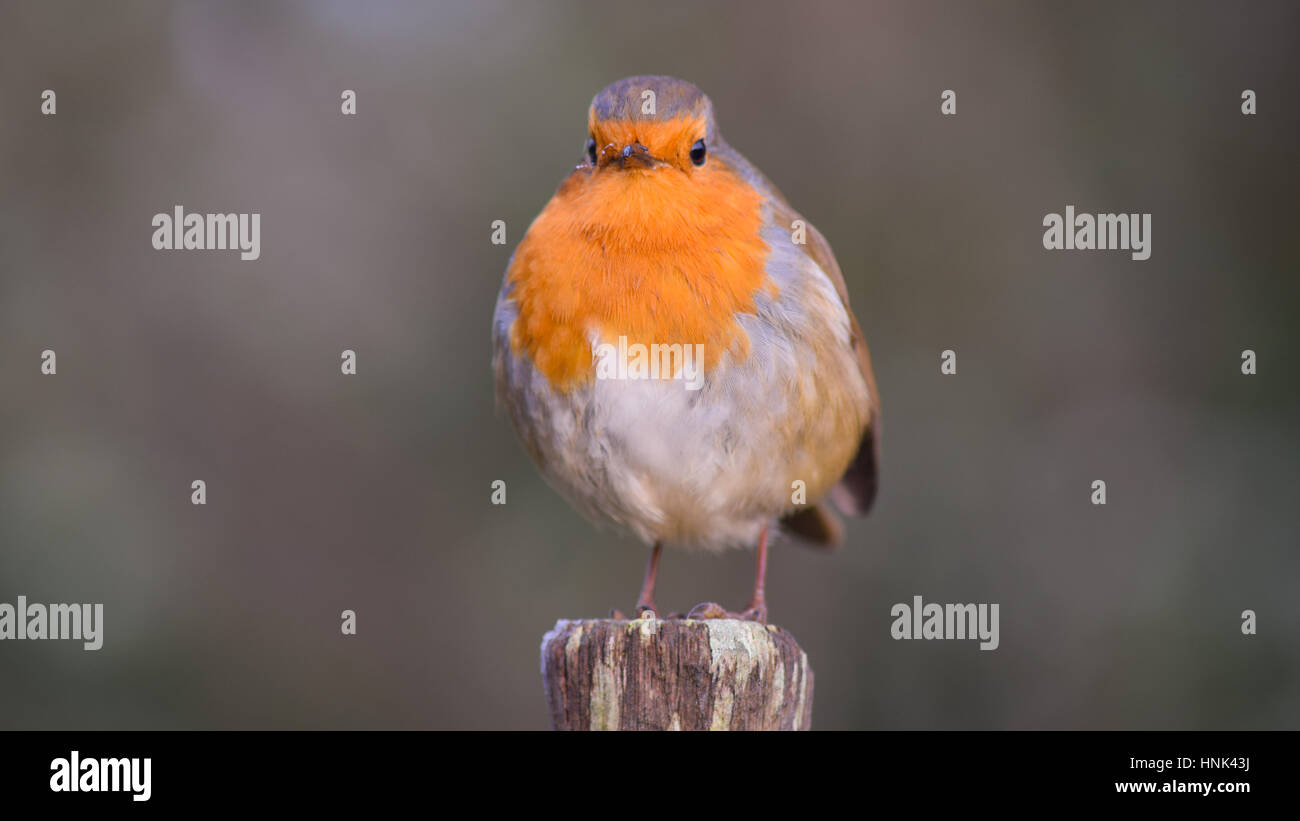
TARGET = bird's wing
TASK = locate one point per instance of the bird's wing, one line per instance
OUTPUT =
(857, 488)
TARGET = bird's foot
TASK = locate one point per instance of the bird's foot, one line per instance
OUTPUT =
(643, 611)
(713, 610)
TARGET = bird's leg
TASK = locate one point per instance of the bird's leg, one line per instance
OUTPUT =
(646, 601)
(757, 610)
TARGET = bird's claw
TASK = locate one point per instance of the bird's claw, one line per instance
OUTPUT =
(713, 610)
(709, 610)
(705, 610)
(643, 611)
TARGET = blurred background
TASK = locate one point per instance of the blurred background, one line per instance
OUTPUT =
(372, 492)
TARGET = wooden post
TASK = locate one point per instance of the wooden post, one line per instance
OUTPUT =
(652, 674)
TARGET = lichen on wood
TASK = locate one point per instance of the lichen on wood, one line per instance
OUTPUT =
(654, 674)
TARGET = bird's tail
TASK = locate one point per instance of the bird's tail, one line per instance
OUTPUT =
(816, 526)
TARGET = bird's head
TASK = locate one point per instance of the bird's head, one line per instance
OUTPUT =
(649, 123)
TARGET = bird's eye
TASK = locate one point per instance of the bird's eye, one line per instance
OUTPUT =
(698, 152)
(591, 150)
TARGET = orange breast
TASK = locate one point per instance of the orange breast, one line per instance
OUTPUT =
(660, 256)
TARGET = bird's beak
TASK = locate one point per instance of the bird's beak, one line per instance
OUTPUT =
(635, 155)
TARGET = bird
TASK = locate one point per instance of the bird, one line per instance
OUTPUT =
(664, 235)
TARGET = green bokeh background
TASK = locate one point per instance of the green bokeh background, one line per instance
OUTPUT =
(372, 492)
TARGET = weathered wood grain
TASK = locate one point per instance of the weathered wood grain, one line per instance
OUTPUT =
(654, 674)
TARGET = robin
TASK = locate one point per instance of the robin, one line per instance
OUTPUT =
(674, 345)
